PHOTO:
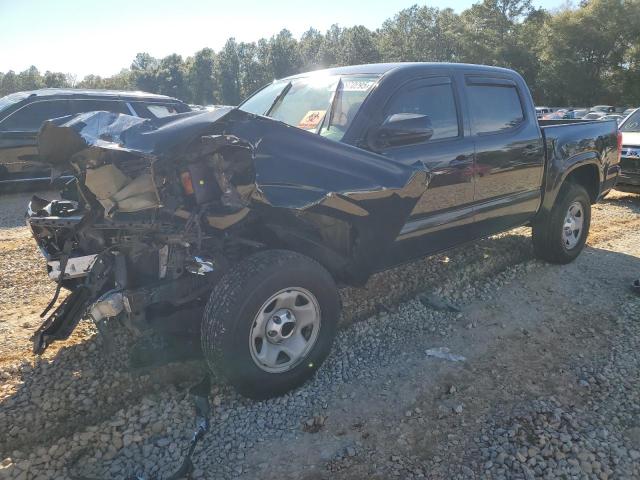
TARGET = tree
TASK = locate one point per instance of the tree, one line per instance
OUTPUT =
(310, 48)
(574, 55)
(283, 58)
(228, 73)
(200, 77)
(419, 34)
(252, 71)
(582, 49)
(357, 46)
(30, 79)
(9, 83)
(171, 77)
(144, 72)
(55, 80)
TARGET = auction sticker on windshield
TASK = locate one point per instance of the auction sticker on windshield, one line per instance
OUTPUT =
(311, 119)
(357, 85)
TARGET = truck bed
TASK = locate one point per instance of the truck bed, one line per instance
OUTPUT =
(579, 141)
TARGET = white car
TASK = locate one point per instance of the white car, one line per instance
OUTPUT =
(629, 180)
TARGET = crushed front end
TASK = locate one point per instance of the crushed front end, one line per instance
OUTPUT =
(160, 209)
(135, 228)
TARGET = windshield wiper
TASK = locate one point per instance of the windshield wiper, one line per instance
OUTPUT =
(278, 98)
(332, 106)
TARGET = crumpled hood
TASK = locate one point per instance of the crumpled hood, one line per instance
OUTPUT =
(347, 200)
(59, 139)
(291, 167)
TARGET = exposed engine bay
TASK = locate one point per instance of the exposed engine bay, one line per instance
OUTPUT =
(160, 209)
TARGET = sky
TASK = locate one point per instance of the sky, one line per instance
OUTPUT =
(103, 36)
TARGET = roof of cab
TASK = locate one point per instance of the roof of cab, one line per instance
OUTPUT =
(382, 68)
(84, 92)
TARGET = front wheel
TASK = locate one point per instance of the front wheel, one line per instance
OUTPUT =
(560, 235)
(270, 322)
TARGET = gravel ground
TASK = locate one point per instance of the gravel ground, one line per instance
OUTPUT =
(548, 387)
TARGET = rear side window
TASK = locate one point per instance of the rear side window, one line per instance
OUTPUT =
(81, 106)
(494, 108)
(435, 100)
(31, 116)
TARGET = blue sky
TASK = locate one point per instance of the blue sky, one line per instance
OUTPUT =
(103, 36)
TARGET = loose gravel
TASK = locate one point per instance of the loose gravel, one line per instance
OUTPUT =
(380, 407)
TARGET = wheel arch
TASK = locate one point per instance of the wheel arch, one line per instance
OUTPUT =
(584, 169)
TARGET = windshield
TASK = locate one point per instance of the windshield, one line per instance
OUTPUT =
(6, 102)
(322, 104)
(632, 123)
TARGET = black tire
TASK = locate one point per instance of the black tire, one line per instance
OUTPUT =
(547, 231)
(236, 300)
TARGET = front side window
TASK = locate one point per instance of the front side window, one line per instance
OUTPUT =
(324, 104)
(435, 101)
(30, 117)
(494, 108)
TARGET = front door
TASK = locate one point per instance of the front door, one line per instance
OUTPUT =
(445, 210)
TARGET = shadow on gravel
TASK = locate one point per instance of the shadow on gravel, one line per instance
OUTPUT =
(86, 383)
(622, 199)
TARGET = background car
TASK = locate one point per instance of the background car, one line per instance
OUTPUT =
(541, 111)
(603, 108)
(594, 116)
(628, 112)
(576, 113)
(613, 116)
(557, 115)
(22, 114)
(629, 180)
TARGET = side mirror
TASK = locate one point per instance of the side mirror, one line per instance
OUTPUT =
(403, 129)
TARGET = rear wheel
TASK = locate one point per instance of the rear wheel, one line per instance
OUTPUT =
(560, 235)
(270, 322)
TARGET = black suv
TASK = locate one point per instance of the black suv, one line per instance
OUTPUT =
(22, 114)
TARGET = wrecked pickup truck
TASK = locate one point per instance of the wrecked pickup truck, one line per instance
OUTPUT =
(256, 213)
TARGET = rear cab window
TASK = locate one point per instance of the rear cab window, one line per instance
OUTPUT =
(158, 110)
(494, 105)
(433, 97)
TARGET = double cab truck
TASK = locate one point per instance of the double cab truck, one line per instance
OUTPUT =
(255, 215)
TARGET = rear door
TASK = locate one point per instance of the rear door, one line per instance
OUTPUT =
(509, 153)
(445, 210)
(19, 155)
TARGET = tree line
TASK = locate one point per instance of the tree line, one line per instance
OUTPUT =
(576, 55)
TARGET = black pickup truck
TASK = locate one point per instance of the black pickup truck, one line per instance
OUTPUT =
(255, 214)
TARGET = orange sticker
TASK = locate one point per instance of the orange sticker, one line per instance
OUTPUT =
(311, 119)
